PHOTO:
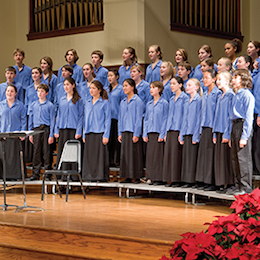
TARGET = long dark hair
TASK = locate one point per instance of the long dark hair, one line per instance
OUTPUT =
(115, 72)
(131, 82)
(75, 96)
(99, 86)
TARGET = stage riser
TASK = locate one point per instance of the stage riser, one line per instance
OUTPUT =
(20, 242)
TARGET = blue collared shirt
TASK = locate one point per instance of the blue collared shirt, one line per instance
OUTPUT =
(31, 96)
(52, 84)
(156, 117)
(256, 93)
(143, 91)
(70, 115)
(130, 116)
(124, 73)
(209, 103)
(115, 97)
(177, 110)
(97, 117)
(192, 119)
(222, 115)
(243, 104)
(77, 74)
(59, 93)
(101, 76)
(42, 114)
(12, 118)
(153, 74)
(19, 87)
(83, 90)
(167, 92)
(24, 76)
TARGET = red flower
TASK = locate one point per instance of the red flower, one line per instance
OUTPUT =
(248, 204)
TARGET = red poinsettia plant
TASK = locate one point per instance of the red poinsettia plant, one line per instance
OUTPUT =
(236, 236)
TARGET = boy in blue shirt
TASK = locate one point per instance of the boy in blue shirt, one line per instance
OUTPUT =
(101, 72)
(23, 72)
(242, 116)
(41, 117)
(10, 74)
(184, 70)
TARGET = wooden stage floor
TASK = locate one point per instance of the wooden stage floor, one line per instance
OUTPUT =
(161, 218)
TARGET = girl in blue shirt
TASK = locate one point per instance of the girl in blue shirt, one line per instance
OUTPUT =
(253, 50)
(222, 133)
(129, 133)
(69, 118)
(129, 59)
(142, 86)
(89, 75)
(154, 132)
(96, 131)
(115, 96)
(48, 77)
(153, 70)
(167, 73)
(67, 71)
(204, 52)
(173, 149)
(12, 118)
(205, 164)
(232, 48)
(190, 133)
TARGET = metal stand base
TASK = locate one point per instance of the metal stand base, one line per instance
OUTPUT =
(27, 207)
(4, 206)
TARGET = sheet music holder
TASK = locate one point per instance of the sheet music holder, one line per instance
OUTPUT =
(3, 137)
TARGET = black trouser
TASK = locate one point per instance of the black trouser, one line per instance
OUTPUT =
(41, 150)
(241, 158)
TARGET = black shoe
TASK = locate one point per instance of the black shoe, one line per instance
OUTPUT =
(187, 185)
(127, 180)
(175, 184)
(137, 181)
(104, 180)
(210, 188)
(33, 178)
(221, 190)
(202, 187)
(169, 184)
(156, 183)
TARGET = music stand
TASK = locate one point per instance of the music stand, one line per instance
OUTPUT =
(16, 135)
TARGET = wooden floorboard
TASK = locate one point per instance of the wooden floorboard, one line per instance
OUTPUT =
(103, 226)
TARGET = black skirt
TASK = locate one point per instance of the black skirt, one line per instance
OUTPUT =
(131, 159)
(205, 163)
(154, 158)
(189, 160)
(113, 144)
(172, 158)
(13, 161)
(95, 159)
(223, 165)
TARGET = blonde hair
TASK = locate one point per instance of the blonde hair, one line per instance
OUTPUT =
(157, 49)
(227, 76)
(227, 62)
(197, 83)
(170, 68)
